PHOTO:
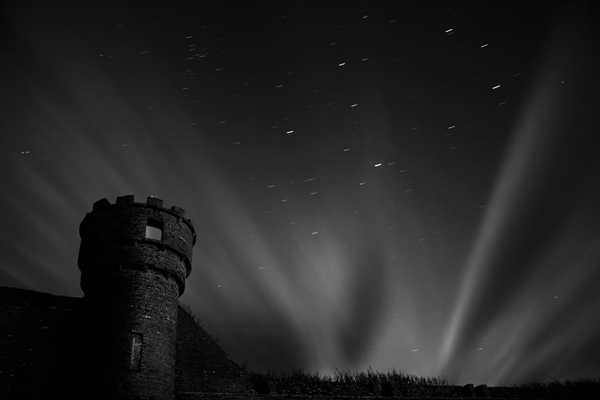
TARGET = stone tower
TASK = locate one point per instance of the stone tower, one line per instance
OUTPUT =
(134, 259)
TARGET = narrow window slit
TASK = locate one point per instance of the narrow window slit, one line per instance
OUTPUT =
(135, 350)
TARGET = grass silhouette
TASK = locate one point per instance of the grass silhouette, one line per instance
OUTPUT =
(400, 385)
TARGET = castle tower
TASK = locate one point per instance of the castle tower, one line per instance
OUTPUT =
(134, 259)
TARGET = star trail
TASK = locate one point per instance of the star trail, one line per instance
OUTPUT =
(372, 186)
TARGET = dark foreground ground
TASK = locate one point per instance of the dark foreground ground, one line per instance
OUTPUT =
(380, 386)
(215, 396)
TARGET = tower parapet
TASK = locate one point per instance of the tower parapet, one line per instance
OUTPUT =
(134, 259)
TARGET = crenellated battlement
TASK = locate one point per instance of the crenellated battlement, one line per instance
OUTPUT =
(151, 201)
(130, 234)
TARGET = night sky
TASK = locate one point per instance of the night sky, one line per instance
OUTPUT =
(402, 188)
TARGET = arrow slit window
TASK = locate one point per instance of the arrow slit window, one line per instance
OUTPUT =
(135, 350)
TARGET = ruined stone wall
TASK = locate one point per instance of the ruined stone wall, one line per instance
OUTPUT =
(201, 365)
(41, 351)
(50, 347)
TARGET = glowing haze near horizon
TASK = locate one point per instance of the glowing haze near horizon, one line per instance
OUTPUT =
(409, 189)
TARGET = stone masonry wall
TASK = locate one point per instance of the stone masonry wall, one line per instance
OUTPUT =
(202, 366)
(131, 283)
